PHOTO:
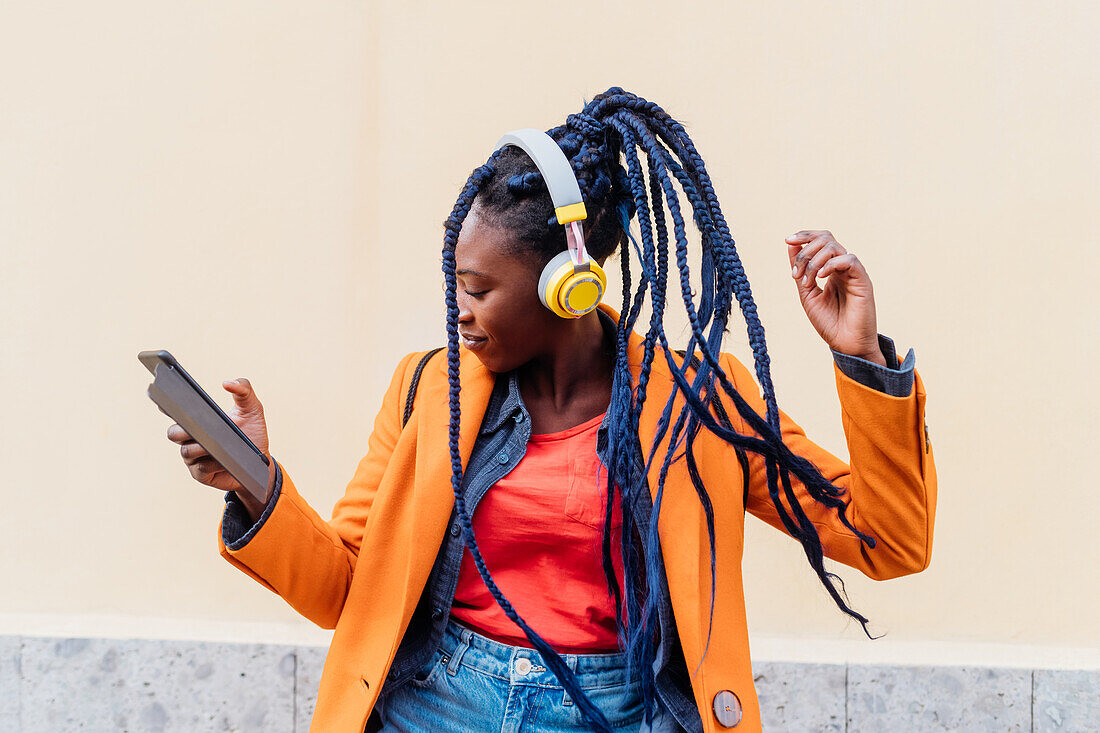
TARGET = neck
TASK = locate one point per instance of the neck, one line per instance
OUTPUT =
(579, 361)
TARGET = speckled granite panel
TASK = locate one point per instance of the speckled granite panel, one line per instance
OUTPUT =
(10, 682)
(938, 699)
(1066, 700)
(311, 660)
(800, 697)
(113, 685)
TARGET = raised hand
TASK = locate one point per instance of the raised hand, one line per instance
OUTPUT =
(843, 311)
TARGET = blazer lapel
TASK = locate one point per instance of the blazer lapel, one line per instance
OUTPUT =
(431, 491)
(433, 428)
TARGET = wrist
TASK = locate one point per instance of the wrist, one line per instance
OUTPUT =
(877, 357)
(251, 505)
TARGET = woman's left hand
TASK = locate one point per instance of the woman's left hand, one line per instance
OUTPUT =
(843, 312)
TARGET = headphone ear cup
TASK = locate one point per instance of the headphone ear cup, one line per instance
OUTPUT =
(551, 274)
(590, 295)
(568, 294)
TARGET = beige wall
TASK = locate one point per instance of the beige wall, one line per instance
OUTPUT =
(259, 188)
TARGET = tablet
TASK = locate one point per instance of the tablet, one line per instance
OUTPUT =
(175, 392)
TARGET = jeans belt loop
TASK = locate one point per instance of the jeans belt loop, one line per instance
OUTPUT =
(463, 645)
(571, 662)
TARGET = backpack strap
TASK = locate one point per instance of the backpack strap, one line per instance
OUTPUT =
(416, 382)
(724, 421)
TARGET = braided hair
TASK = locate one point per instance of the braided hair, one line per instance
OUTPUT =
(510, 194)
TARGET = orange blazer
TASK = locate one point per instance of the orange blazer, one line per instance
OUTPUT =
(395, 512)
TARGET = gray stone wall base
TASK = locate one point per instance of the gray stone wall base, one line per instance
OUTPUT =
(11, 688)
(62, 684)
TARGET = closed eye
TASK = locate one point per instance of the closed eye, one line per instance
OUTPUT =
(477, 294)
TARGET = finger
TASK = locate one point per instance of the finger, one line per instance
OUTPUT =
(792, 255)
(807, 252)
(841, 263)
(825, 253)
(808, 292)
(193, 452)
(794, 246)
(205, 469)
(806, 235)
(243, 394)
(177, 434)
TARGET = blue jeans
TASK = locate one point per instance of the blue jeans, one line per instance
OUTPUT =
(474, 683)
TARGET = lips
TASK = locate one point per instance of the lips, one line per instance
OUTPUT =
(472, 342)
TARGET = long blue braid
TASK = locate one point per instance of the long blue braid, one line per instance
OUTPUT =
(618, 124)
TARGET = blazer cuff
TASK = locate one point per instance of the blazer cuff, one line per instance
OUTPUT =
(237, 525)
(894, 379)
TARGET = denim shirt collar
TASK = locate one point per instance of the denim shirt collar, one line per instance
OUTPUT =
(503, 403)
(506, 402)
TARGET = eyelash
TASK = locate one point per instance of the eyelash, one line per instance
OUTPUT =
(477, 294)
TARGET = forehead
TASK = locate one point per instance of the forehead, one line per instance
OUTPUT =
(486, 248)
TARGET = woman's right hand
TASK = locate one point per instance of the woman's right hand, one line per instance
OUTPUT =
(248, 414)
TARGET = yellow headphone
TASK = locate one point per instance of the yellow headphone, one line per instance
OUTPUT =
(571, 284)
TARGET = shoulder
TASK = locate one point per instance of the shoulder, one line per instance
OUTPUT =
(741, 375)
(735, 370)
(430, 367)
(410, 368)
(736, 374)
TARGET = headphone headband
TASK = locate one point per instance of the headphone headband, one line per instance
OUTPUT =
(555, 169)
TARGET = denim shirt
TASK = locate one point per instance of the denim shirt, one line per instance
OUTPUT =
(500, 446)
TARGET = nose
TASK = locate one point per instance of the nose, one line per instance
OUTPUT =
(465, 315)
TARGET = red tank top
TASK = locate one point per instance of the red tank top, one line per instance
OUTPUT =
(540, 530)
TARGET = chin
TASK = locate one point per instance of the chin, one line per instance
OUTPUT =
(486, 360)
(494, 364)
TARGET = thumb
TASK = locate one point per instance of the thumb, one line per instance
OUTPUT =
(243, 394)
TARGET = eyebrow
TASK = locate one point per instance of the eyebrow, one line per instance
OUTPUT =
(475, 273)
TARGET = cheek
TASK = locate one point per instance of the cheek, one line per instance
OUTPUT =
(504, 326)
(511, 315)
(514, 330)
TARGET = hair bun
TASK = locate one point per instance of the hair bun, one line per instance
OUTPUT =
(525, 184)
(586, 124)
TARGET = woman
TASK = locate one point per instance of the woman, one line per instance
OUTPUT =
(598, 585)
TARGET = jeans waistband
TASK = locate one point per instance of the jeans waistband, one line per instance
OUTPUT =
(525, 666)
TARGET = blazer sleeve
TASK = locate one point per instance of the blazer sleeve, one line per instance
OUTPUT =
(889, 485)
(295, 553)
